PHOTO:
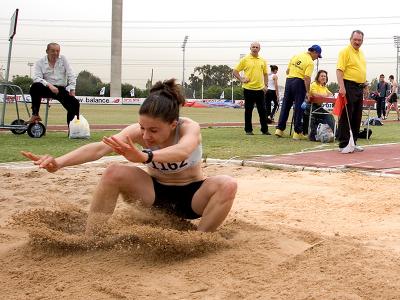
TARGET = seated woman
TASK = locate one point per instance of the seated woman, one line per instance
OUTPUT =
(318, 89)
(172, 152)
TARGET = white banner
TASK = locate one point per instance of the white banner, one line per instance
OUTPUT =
(11, 98)
(133, 101)
(107, 100)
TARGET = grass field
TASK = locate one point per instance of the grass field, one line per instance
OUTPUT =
(124, 114)
(222, 143)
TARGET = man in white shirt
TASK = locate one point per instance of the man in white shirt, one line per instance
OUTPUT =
(54, 78)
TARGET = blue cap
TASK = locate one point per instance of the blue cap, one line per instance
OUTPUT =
(317, 49)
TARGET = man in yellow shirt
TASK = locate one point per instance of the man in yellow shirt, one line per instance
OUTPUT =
(351, 72)
(254, 82)
(297, 87)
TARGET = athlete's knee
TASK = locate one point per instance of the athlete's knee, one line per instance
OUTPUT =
(228, 188)
(115, 174)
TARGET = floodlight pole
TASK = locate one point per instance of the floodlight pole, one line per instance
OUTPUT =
(202, 84)
(183, 60)
(397, 45)
(233, 101)
(30, 65)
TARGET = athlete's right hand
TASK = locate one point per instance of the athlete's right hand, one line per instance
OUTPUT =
(43, 161)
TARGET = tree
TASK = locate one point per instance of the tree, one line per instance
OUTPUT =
(237, 93)
(24, 82)
(213, 92)
(209, 75)
(126, 90)
(88, 85)
(333, 87)
(373, 85)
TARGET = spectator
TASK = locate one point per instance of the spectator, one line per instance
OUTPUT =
(54, 78)
(351, 75)
(272, 94)
(318, 89)
(392, 97)
(254, 80)
(382, 90)
(297, 89)
(172, 152)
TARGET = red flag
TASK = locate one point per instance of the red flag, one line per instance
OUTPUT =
(340, 102)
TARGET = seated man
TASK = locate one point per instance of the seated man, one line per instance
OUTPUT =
(53, 78)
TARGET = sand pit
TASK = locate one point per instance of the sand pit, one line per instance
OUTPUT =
(290, 235)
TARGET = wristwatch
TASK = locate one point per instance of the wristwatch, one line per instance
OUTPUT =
(150, 155)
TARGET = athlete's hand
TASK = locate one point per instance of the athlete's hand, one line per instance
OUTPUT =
(126, 149)
(47, 162)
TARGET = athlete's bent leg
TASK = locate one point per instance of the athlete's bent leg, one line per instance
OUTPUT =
(117, 179)
(213, 201)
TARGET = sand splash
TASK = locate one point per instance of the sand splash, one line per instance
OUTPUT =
(144, 232)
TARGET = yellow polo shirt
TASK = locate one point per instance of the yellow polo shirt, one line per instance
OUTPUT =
(301, 65)
(254, 68)
(317, 89)
(353, 64)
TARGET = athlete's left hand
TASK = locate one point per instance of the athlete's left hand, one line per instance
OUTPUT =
(126, 149)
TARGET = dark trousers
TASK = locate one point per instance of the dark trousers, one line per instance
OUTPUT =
(295, 91)
(354, 95)
(380, 106)
(70, 103)
(270, 96)
(252, 97)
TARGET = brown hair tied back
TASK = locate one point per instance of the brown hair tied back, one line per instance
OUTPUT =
(164, 101)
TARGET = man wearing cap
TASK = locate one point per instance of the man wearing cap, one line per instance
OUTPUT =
(254, 80)
(299, 71)
(351, 72)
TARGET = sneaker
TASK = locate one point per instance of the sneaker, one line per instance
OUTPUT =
(266, 133)
(299, 136)
(358, 149)
(279, 133)
(351, 149)
(249, 133)
(346, 150)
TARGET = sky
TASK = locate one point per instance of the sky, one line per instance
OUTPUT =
(218, 31)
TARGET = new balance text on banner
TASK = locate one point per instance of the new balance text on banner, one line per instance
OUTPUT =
(99, 100)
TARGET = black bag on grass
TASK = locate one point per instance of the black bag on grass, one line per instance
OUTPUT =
(363, 134)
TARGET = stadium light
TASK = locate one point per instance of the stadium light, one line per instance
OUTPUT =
(30, 65)
(397, 45)
(183, 60)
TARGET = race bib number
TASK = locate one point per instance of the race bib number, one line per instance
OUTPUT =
(165, 167)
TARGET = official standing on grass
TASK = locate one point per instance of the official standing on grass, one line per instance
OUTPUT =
(351, 72)
(254, 82)
(297, 87)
